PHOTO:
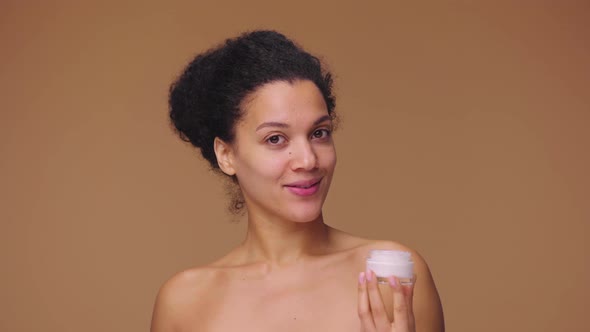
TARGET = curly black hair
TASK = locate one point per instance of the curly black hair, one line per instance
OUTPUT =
(205, 100)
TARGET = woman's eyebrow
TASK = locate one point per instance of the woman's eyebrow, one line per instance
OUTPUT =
(272, 124)
(284, 125)
(322, 119)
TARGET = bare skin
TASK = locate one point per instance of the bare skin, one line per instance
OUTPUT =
(316, 293)
(292, 272)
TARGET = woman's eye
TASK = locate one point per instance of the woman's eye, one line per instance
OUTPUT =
(275, 139)
(321, 133)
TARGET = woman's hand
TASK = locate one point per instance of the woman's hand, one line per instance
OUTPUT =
(371, 309)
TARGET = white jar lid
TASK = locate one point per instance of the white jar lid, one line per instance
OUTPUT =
(387, 263)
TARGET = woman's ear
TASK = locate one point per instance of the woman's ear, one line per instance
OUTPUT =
(224, 154)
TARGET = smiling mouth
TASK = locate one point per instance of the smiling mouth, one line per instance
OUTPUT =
(306, 186)
(305, 189)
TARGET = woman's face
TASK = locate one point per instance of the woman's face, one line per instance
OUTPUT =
(283, 154)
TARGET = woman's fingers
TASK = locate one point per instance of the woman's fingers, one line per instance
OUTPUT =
(403, 318)
(409, 293)
(364, 309)
(380, 318)
(371, 309)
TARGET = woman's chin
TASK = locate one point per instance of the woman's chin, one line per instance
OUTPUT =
(305, 215)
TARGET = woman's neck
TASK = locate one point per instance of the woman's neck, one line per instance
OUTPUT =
(279, 242)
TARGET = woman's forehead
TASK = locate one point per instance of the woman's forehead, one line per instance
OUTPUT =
(285, 102)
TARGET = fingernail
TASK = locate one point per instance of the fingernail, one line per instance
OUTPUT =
(369, 276)
(362, 278)
(393, 282)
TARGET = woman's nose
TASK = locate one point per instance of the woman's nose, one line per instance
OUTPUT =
(303, 157)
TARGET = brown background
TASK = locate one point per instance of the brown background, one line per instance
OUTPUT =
(464, 134)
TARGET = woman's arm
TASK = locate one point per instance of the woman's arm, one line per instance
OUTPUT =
(178, 300)
(427, 306)
(163, 315)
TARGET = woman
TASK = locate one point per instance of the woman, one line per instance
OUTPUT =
(261, 111)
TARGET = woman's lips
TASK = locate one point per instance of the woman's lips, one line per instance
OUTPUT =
(304, 188)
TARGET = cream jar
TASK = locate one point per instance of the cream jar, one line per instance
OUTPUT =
(387, 263)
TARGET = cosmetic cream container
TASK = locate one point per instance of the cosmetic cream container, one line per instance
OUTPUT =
(387, 263)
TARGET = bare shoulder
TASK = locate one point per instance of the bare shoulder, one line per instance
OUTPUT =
(185, 286)
(180, 296)
(362, 245)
